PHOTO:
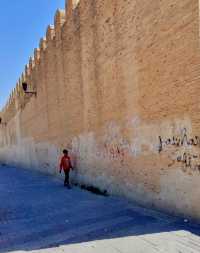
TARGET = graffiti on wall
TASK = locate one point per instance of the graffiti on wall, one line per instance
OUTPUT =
(186, 150)
(188, 161)
(114, 148)
(179, 141)
(117, 150)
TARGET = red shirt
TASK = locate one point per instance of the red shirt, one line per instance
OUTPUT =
(65, 163)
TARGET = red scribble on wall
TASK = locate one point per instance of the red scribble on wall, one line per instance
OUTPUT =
(117, 151)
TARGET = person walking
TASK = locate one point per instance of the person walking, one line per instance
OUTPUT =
(66, 166)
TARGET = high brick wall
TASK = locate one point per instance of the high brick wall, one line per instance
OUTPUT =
(118, 85)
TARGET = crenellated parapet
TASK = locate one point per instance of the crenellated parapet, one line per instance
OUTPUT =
(31, 63)
(53, 34)
(27, 71)
(70, 5)
(50, 33)
(36, 56)
(59, 21)
(43, 44)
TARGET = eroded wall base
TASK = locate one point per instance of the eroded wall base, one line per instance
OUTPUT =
(155, 165)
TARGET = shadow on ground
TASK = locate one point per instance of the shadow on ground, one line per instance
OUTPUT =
(37, 212)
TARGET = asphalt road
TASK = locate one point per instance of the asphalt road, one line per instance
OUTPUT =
(37, 214)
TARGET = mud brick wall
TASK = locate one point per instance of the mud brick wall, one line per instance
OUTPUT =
(118, 85)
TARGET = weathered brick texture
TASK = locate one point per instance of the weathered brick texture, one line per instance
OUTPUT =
(118, 85)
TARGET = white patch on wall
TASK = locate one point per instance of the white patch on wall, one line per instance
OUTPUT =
(148, 134)
(100, 160)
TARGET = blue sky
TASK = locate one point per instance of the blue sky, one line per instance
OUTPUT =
(22, 24)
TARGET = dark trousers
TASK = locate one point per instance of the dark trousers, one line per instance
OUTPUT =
(66, 182)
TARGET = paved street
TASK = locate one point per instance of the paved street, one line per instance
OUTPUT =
(37, 214)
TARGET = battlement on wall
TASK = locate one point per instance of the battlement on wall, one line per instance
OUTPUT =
(52, 32)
